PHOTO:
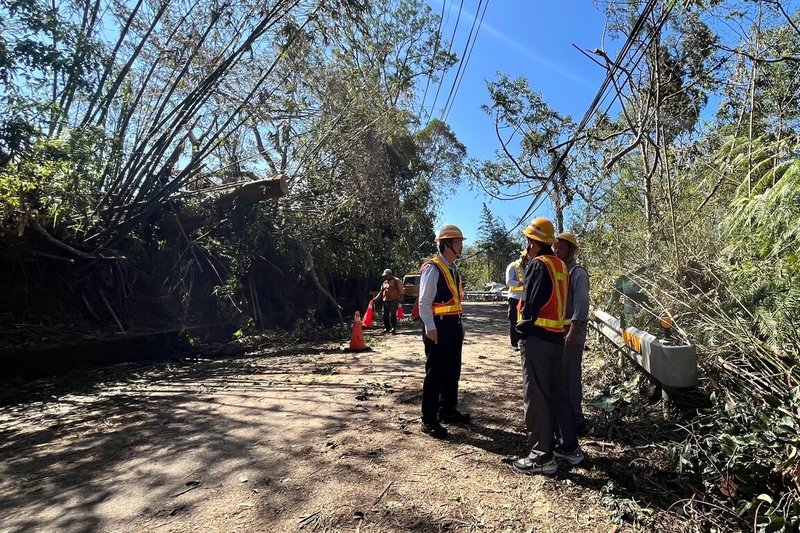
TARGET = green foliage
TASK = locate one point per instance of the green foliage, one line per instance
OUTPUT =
(486, 260)
(623, 509)
(747, 456)
(526, 128)
(58, 178)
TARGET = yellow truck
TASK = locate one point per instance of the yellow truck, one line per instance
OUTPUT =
(410, 287)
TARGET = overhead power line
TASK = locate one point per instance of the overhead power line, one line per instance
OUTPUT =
(612, 71)
(433, 59)
(462, 66)
(449, 50)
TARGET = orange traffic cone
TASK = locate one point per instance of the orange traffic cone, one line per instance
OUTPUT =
(415, 311)
(357, 343)
(368, 315)
(400, 312)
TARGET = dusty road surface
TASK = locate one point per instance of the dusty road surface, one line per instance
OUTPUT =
(286, 439)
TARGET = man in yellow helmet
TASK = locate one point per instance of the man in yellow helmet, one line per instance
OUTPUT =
(515, 279)
(440, 295)
(577, 322)
(544, 383)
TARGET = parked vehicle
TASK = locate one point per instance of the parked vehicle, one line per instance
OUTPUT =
(410, 287)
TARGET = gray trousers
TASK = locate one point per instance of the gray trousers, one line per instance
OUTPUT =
(572, 362)
(545, 396)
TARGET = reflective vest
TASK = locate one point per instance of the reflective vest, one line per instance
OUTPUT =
(449, 291)
(520, 277)
(552, 314)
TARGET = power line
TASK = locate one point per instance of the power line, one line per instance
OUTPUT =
(433, 59)
(467, 56)
(593, 106)
(616, 65)
(449, 49)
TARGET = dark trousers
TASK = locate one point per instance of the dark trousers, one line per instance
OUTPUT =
(442, 369)
(390, 314)
(512, 321)
(545, 396)
(572, 368)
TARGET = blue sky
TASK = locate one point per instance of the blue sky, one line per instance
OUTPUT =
(519, 38)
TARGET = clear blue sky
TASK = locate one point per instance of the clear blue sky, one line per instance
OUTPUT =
(519, 38)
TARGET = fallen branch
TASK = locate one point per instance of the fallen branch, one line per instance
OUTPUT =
(313, 274)
(382, 494)
(110, 310)
(52, 240)
(305, 520)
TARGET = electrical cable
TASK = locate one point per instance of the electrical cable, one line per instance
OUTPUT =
(449, 49)
(616, 65)
(433, 59)
(462, 66)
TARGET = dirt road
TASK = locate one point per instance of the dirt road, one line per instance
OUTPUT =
(288, 439)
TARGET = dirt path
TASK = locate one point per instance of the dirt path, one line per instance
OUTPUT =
(320, 440)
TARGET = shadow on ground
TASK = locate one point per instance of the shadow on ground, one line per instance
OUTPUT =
(295, 437)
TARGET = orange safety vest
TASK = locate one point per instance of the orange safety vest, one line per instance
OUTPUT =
(552, 314)
(453, 305)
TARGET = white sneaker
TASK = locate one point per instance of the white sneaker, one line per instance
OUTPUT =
(534, 464)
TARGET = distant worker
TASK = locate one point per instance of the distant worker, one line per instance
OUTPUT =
(392, 295)
(577, 315)
(441, 292)
(515, 279)
(544, 382)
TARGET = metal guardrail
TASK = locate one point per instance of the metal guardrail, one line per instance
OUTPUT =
(672, 365)
(484, 296)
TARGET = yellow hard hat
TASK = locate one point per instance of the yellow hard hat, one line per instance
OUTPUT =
(569, 237)
(449, 231)
(542, 230)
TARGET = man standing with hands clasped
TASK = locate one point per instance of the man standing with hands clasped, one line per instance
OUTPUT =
(544, 383)
(577, 316)
(440, 295)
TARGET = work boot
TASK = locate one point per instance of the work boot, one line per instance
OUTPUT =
(454, 417)
(435, 430)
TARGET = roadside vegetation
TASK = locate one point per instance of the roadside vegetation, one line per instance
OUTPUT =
(122, 125)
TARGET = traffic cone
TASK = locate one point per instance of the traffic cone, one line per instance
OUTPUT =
(400, 312)
(368, 315)
(415, 311)
(357, 343)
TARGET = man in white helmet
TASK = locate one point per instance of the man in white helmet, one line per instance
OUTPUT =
(441, 292)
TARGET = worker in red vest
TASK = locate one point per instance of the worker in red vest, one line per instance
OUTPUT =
(544, 380)
(441, 292)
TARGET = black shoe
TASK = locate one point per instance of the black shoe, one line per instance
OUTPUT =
(435, 430)
(454, 417)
